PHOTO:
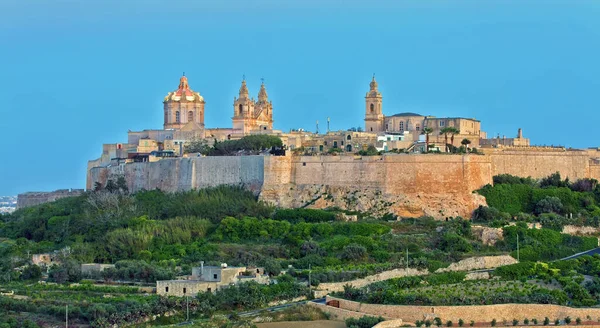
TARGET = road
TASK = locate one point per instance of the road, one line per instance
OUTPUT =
(590, 252)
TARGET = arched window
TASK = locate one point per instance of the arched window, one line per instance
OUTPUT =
(349, 137)
(190, 116)
(371, 129)
(335, 144)
(372, 108)
(240, 108)
(401, 126)
(418, 127)
(349, 148)
(177, 118)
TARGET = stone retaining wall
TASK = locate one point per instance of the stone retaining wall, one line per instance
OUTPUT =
(477, 313)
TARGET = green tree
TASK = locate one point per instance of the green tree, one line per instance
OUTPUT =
(454, 131)
(446, 131)
(466, 142)
(427, 131)
(31, 272)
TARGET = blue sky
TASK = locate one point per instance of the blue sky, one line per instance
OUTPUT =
(77, 74)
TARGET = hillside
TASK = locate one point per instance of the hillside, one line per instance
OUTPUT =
(152, 235)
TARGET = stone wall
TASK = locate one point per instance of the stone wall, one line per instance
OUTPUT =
(438, 185)
(538, 164)
(35, 198)
(479, 263)
(477, 313)
(326, 288)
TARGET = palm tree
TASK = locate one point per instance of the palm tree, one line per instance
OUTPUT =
(453, 131)
(466, 142)
(427, 131)
(445, 131)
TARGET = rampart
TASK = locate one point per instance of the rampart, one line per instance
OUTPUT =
(439, 185)
(36, 198)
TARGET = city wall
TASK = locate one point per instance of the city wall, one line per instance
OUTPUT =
(477, 313)
(438, 185)
(36, 198)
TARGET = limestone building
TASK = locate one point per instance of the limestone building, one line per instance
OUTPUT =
(411, 125)
(183, 107)
(210, 279)
(250, 115)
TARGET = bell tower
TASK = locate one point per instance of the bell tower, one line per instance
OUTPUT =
(243, 110)
(373, 109)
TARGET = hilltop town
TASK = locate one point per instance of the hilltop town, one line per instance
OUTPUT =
(403, 222)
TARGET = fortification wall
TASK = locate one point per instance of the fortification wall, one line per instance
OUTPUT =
(538, 164)
(437, 185)
(35, 198)
(477, 313)
(179, 174)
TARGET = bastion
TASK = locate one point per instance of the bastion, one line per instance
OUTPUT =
(407, 185)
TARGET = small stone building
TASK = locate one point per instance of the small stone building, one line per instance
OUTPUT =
(209, 279)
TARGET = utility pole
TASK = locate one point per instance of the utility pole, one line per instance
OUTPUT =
(317, 126)
(187, 301)
(328, 124)
(518, 255)
(67, 316)
(309, 282)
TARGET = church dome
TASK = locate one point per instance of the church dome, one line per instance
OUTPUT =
(184, 93)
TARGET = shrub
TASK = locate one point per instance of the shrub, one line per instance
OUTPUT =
(535, 321)
(578, 320)
(493, 322)
(546, 321)
(354, 252)
(461, 322)
(437, 321)
(31, 272)
(363, 322)
(568, 320)
(526, 321)
(472, 323)
(427, 323)
(549, 204)
(515, 322)
(557, 322)
(418, 323)
(449, 323)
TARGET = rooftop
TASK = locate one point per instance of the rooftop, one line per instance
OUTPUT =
(406, 114)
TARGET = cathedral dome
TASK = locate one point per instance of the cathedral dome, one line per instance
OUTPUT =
(184, 93)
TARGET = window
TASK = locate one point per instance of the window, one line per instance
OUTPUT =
(257, 271)
(371, 129)
(190, 116)
(303, 163)
(442, 123)
(349, 148)
(335, 144)
(386, 127)
(320, 147)
(342, 142)
(208, 289)
(349, 137)
(372, 108)
(418, 127)
(184, 290)
(240, 108)
(177, 118)
(325, 143)
(166, 289)
(215, 276)
(401, 126)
